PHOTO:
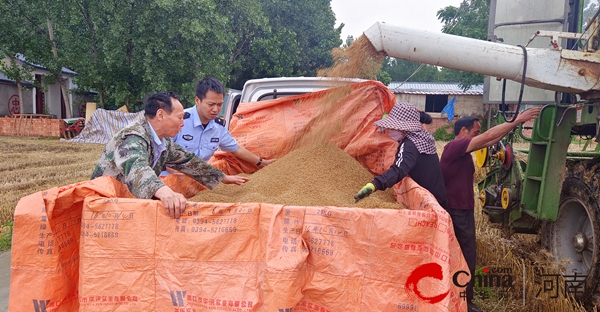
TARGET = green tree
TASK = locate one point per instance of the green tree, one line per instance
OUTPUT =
(85, 36)
(384, 77)
(127, 49)
(402, 70)
(297, 41)
(470, 19)
(248, 22)
(16, 40)
(52, 12)
(41, 25)
(349, 39)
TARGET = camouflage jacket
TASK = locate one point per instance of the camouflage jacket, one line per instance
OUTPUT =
(129, 156)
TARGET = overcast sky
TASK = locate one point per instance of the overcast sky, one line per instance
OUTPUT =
(359, 15)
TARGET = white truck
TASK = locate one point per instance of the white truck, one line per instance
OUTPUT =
(272, 88)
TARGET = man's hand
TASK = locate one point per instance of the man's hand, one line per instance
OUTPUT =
(496, 133)
(266, 162)
(365, 191)
(173, 202)
(229, 179)
(528, 115)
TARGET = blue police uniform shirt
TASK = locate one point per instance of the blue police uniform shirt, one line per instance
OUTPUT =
(204, 142)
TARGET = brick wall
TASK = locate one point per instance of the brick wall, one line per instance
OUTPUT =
(31, 127)
(438, 122)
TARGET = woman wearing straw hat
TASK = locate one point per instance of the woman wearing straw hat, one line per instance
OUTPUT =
(416, 155)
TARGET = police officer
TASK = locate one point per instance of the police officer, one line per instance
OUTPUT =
(142, 149)
(204, 132)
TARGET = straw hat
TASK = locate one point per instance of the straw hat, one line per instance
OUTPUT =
(404, 116)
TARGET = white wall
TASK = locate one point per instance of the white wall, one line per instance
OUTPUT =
(466, 105)
(9, 92)
(53, 99)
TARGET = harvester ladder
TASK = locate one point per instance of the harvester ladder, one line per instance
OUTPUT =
(546, 162)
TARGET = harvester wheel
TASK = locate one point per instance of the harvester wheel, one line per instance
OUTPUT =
(508, 157)
(506, 198)
(482, 198)
(575, 236)
(481, 157)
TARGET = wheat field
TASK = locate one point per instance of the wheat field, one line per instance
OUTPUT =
(30, 165)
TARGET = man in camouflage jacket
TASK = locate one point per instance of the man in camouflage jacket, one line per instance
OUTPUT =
(138, 153)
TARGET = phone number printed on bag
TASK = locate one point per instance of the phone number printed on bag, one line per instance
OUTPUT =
(64, 242)
(207, 221)
(318, 246)
(101, 234)
(320, 251)
(204, 229)
(99, 226)
(104, 224)
(99, 230)
(209, 225)
(407, 306)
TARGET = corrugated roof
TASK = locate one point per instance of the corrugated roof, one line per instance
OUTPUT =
(29, 84)
(22, 58)
(450, 88)
(6, 79)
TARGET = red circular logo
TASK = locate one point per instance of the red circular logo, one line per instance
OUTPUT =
(14, 105)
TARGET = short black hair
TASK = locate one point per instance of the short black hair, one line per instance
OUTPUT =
(467, 122)
(425, 118)
(161, 100)
(206, 84)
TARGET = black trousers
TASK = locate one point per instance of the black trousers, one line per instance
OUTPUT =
(463, 221)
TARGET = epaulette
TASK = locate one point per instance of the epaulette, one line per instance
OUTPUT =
(220, 120)
(186, 115)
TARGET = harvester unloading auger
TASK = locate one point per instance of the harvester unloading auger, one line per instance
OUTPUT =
(555, 192)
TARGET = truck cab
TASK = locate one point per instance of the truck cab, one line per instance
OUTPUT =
(273, 88)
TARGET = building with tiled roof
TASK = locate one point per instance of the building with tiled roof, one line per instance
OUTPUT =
(432, 97)
(47, 100)
(451, 88)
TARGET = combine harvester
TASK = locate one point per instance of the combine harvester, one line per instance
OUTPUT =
(555, 192)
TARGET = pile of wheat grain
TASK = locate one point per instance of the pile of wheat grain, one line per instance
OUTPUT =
(314, 175)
